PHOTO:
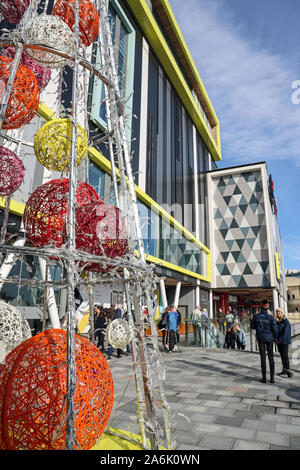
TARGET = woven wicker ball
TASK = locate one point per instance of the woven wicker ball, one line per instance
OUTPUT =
(13, 10)
(11, 173)
(46, 211)
(33, 386)
(50, 31)
(42, 74)
(88, 18)
(24, 98)
(14, 328)
(53, 144)
(101, 230)
(118, 333)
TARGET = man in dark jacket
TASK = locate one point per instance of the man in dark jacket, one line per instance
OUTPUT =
(266, 334)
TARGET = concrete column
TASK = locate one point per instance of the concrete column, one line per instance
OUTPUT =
(9, 262)
(163, 292)
(197, 296)
(177, 294)
(51, 302)
(211, 304)
(275, 300)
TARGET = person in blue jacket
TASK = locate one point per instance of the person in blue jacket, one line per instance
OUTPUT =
(266, 334)
(284, 339)
(240, 337)
(172, 321)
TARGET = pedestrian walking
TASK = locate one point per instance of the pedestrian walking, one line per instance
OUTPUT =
(179, 320)
(172, 320)
(162, 326)
(221, 318)
(266, 334)
(240, 337)
(113, 314)
(196, 322)
(284, 339)
(229, 318)
(100, 326)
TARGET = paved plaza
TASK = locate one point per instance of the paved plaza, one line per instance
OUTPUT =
(218, 401)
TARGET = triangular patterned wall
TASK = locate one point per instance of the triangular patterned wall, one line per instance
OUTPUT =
(240, 235)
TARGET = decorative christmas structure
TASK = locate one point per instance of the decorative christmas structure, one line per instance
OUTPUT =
(24, 98)
(101, 230)
(12, 172)
(88, 18)
(42, 74)
(50, 31)
(118, 333)
(33, 388)
(13, 10)
(14, 328)
(53, 144)
(46, 211)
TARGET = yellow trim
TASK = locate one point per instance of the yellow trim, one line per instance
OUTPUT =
(277, 266)
(162, 50)
(15, 207)
(176, 29)
(174, 267)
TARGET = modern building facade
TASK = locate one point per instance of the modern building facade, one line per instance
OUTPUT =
(188, 212)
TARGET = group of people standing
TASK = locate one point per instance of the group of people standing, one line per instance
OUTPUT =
(102, 317)
(169, 326)
(270, 330)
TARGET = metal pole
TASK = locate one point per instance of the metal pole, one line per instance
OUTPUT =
(71, 362)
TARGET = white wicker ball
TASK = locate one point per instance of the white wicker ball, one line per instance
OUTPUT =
(50, 31)
(14, 328)
(118, 333)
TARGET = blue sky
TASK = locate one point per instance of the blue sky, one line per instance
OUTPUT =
(248, 56)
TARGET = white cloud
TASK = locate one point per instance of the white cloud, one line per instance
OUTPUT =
(250, 89)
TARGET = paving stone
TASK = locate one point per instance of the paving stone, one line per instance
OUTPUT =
(275, 438)
(241, 444)
(258, 425)
(229, 421)
(276, 403)
(245, 414)
(294, 442)
(238, 433)
(205, 428)
(288, 428)
(222, 443)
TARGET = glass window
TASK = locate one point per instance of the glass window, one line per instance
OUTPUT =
(96, 179)
(123, 36)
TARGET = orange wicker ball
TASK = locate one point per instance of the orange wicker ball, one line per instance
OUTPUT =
(24, 98)
(88, 18)
(33, 387)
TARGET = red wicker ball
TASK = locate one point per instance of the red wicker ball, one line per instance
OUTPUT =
(88, 18)
(101, 230)
(33, 387)
(42, 74)
(24, 99)
(13, 10)
(12, 172)
(46, 211)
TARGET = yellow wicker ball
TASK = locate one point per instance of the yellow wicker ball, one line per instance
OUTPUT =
(53, 144)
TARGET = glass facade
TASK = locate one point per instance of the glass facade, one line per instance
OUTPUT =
(170, 153)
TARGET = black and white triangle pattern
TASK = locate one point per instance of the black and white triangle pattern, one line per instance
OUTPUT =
(242, 257)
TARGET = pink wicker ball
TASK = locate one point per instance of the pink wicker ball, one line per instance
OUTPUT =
(46, 211)
(11, 172)
(13, 10)
(42, 74)
(101, 230)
